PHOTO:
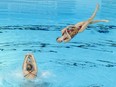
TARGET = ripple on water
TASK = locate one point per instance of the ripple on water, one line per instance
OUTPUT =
(84, 64)
(100, 28)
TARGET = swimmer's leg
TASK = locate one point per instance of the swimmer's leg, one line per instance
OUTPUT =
(94, 13)
(86, 23)
(96, 21)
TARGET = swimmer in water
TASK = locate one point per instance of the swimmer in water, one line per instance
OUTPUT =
(69, 32)
(29, 67)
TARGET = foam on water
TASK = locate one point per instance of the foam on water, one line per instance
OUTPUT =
(15, 78)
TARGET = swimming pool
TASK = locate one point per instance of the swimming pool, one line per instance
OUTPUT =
(32, 26)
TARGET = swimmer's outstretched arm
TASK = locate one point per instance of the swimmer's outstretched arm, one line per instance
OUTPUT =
(68, 36)
(63, 30)
(96, 21)
(24, 63)
(86, 23)
(34, 63)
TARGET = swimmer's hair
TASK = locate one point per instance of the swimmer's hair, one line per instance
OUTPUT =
(57, 38)
(29, 68)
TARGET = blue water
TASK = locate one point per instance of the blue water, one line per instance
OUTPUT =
(32, 26)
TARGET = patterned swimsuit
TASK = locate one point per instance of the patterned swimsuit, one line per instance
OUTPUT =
(72, 31)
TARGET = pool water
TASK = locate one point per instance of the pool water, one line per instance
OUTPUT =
(32, 26)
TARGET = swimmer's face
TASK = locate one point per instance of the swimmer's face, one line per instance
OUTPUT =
(59, 40)
(29, 67)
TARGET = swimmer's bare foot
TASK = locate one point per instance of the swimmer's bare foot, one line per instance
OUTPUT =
(105, 20)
